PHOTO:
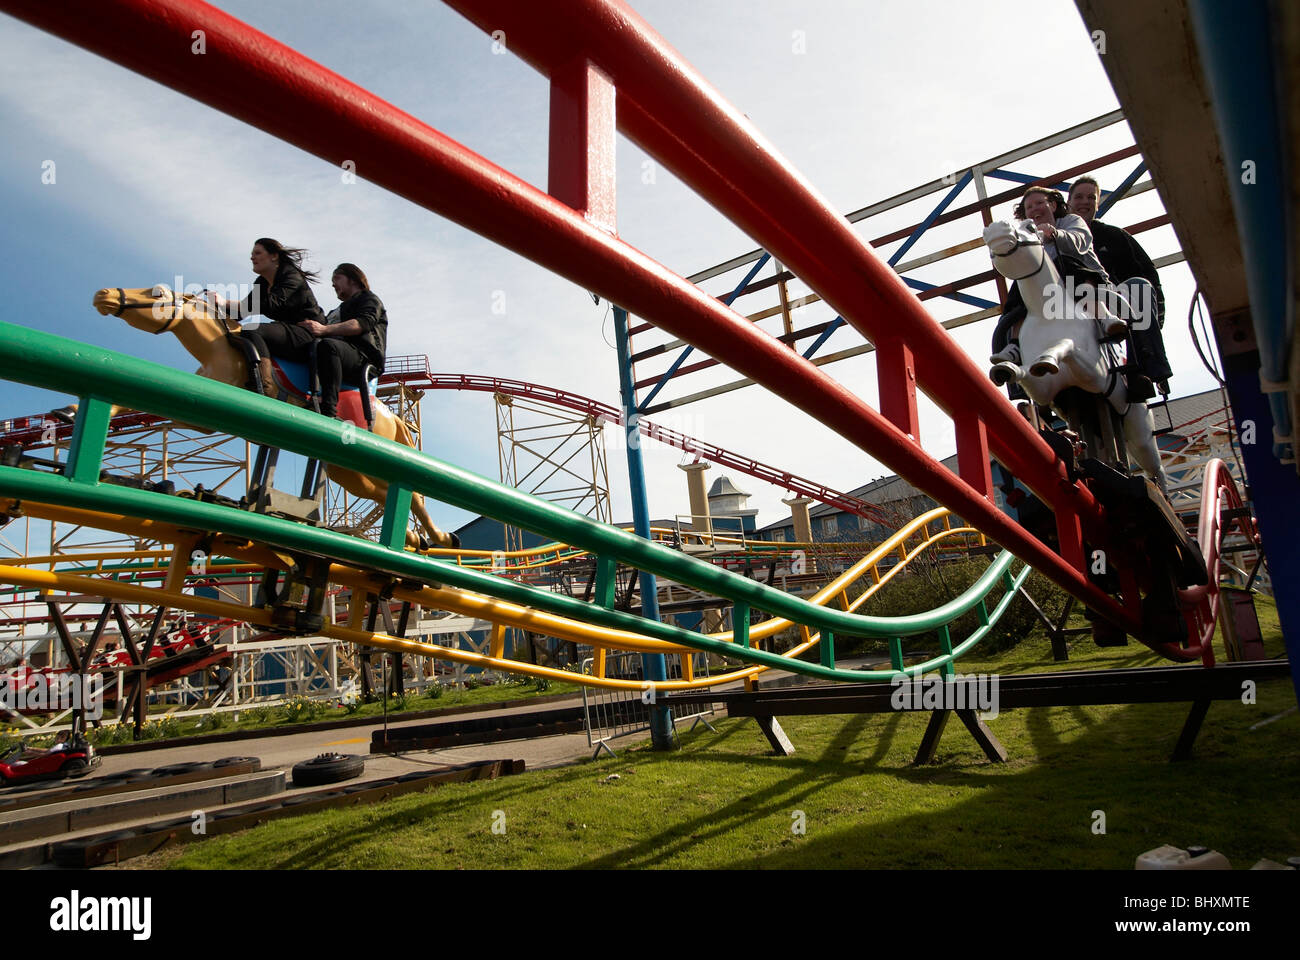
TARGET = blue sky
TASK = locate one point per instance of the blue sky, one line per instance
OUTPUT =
(151, 185)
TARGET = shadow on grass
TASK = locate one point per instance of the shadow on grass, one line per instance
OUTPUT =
(1061, 812)
(1071, 770)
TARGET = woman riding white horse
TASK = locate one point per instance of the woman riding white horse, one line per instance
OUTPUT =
(1058, 343)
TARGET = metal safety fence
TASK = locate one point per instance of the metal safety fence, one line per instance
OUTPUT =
(610, 714)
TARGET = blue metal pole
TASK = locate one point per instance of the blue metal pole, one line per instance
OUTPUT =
(1237, 54)
(653, 664)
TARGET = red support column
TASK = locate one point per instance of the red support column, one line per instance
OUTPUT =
(896, 376)
(973, 453)
(1069, 531)
(583, 127)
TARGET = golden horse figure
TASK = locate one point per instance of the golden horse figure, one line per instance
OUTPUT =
(196, 324)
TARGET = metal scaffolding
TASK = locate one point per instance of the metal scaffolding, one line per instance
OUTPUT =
(553, 453)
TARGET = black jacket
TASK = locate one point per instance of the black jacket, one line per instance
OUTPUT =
(289, 299)
(1124, 259)
(369, 310)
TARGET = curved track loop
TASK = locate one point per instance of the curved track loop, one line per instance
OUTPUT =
(1219, 496)
(505, 614)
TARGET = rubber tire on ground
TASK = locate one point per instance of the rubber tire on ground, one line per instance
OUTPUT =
(176, 769)
(256, 808)
(102, 782)
(166, 826)
(311, 797)
(71, 853)
(231, 761)
(74, 768)
(327, 768)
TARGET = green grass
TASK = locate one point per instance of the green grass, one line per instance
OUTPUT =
(722, 801)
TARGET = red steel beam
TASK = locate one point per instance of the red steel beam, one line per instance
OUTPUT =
(669, 110)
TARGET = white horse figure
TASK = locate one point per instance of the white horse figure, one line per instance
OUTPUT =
(1059, 339)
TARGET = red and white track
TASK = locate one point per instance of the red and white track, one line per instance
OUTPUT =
(413, 372)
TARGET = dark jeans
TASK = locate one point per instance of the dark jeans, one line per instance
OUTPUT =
(335, 359)
(277, 339)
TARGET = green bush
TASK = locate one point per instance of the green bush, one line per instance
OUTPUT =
(167, 727)
(263, 714)
(213, 721)
(433, 691)
(301, 710)
(9, 738)
(918, 592)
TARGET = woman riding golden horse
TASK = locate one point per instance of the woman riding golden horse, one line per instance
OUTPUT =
(282, 295)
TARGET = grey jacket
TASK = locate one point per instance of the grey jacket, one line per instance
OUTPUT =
(1074, 239)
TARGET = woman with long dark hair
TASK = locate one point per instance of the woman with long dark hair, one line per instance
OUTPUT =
(282, 295)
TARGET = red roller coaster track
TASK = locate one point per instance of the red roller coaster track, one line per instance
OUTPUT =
(407, 370)
(413, 372)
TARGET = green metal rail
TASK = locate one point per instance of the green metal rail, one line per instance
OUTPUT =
(41, 359)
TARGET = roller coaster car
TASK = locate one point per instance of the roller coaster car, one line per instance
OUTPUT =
(76, 758)
(1091, 447)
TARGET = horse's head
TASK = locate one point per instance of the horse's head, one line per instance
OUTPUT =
(1004, 236)
(156, 309)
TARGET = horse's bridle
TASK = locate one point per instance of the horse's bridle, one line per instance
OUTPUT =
(175, 305)
(1017, 244)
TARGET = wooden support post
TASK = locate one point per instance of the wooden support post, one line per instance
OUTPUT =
(781, 744)
(933, 734)
(65, 638)
(399, 671)
(137, 702)
(992, 748)
(1191, 727)
(1060, 652)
